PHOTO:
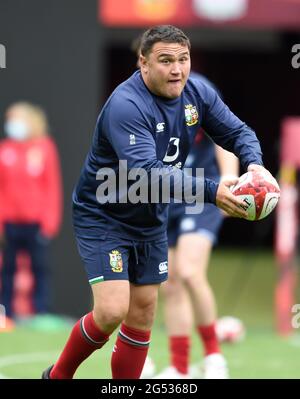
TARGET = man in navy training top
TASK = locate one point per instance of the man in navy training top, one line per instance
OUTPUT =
(188, 297)
(149, 121)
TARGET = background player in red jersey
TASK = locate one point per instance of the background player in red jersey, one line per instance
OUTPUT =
(30, 200)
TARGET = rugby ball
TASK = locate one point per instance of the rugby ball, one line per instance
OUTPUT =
(230, 329)
(260, 192)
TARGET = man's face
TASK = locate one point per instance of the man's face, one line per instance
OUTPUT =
(166, 69)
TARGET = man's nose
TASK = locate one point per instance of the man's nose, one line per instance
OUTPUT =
(176, 68)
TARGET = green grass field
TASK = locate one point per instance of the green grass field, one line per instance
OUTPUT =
(243, 282)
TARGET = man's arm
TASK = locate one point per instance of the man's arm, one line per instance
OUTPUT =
(123, 120)
(53, 201)
(228, 163)
(227, 130)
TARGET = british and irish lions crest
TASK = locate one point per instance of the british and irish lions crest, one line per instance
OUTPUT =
(191, 115)
(115, 260)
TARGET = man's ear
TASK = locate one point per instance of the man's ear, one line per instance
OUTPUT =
(143, 62)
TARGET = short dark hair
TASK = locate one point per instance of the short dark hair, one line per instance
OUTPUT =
(163, 33)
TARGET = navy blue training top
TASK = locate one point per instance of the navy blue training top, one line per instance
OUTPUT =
(149, 132)
(202, 155)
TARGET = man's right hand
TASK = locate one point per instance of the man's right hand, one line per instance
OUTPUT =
(225, 200)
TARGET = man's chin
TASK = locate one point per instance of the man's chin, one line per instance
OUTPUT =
(171, 95)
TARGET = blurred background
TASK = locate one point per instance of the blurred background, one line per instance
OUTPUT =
(67, 56)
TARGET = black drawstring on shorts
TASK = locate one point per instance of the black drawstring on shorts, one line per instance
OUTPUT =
(135, 253)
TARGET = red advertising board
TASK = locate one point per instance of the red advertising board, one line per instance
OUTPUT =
(240, 13)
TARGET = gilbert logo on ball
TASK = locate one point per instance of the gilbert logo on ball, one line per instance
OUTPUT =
(260, 192)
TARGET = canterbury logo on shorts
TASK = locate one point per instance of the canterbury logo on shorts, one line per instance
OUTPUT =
(163, 267)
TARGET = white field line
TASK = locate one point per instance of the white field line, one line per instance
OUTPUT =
(24, 358)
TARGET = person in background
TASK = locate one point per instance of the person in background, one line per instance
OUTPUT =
(188, 297)
(30, 201)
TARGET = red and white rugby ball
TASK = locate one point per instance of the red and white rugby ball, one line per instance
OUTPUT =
(260, 192)
(230, 329)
